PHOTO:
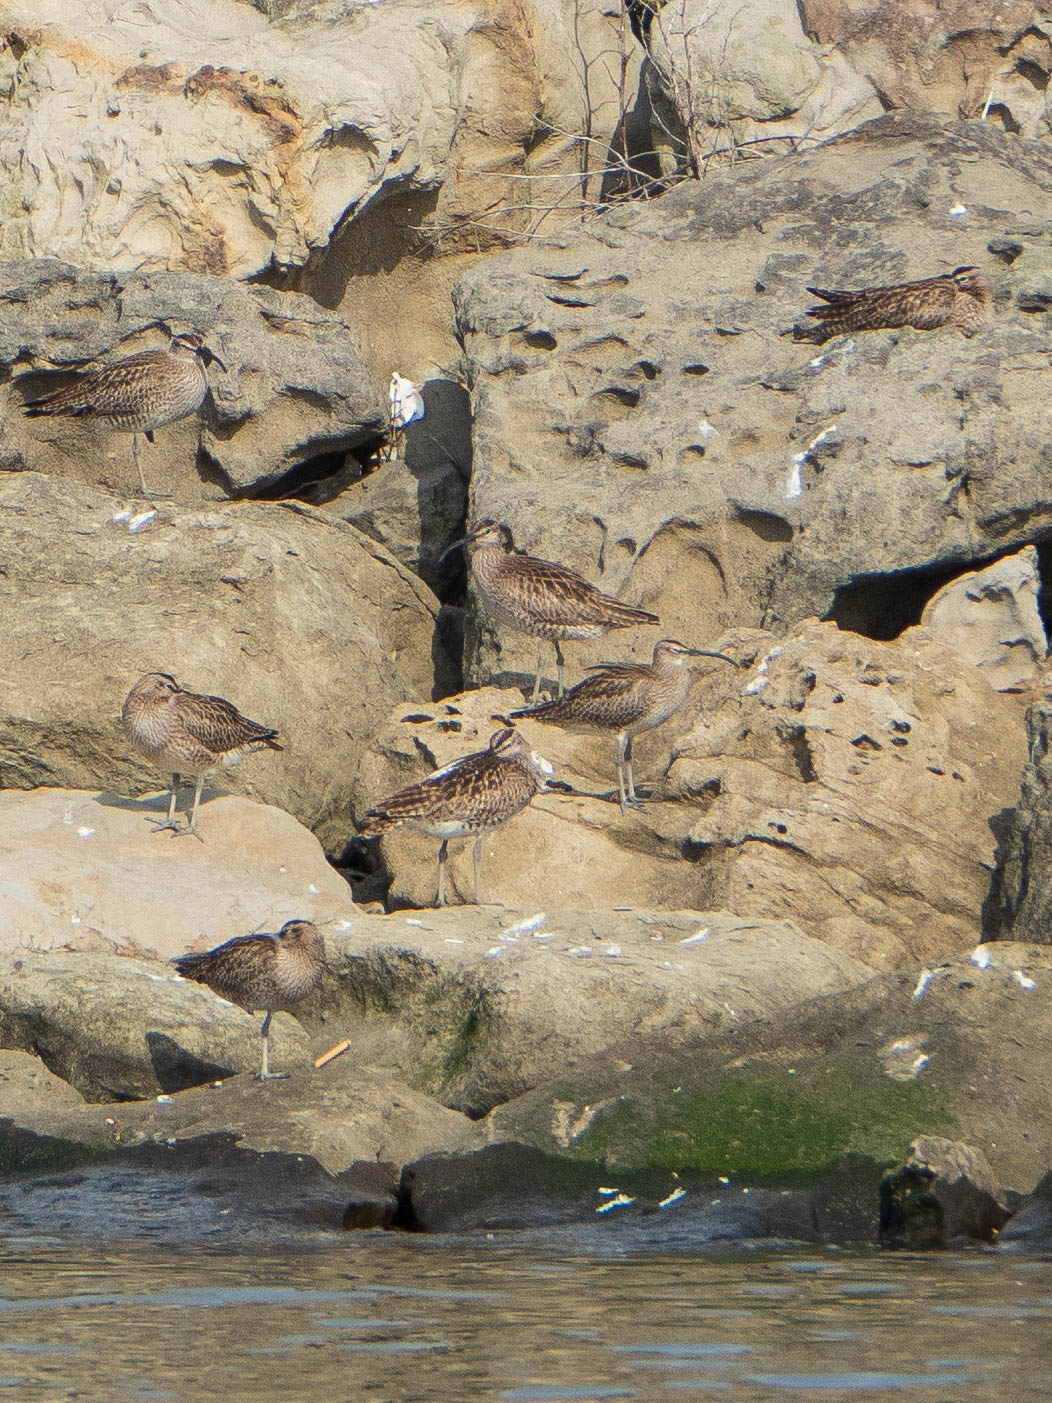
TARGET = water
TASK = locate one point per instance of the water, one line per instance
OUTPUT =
(369, 1316)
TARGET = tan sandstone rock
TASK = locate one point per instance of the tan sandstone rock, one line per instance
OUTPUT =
(300, 620)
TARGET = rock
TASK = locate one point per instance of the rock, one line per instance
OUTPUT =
(300, 620)
(960, 1049)
(475, 1006)
(830, 754)
(129, 890)
(295, 385)
(642, 414)
(1030, 1227)
(27, 1085)
(1020, 904)
(741, 77)
(991, 617)
(331, 145)
(945, 56)
(117, 1029)
(945, 1194)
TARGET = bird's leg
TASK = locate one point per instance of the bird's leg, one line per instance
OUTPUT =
(169, 824)
(558, 669)
(442, 872)
(264, 1073)
(537, 679)
(146, 491)
(622, 751)
(476, 862)
(191, 825)
(633, 797)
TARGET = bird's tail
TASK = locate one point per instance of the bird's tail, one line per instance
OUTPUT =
(627, 614)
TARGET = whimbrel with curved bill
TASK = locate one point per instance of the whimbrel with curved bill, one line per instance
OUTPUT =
(961, 299)
(472, 796)
(137, 394)
(540, 597)
(269, 972)
(188, 734)
(626, 698)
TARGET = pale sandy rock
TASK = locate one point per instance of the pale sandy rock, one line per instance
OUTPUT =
(642, 413)
(475, 1005)
(294, 385)
(203, 135)
(946, 55)
(27, 1085)
(845, 758)
(991, 618)
(338, 1114)
(124, 888)
(298, 619)
(737, 75)
(121, 1029)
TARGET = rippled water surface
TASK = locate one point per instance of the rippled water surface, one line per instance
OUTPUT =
(380, 1317)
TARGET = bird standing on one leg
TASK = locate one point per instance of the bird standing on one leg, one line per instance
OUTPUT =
(188, 734)
(269, 972)
(627, 699)
(137, 394)
(472, 796)
(406, 407)
(540, 597)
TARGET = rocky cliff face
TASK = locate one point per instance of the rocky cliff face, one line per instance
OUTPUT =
(775, 961)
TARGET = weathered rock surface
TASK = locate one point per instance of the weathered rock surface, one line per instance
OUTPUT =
(475, 1006)
(642, 414)
(120, 1029)
(1020, 905)
(300, 620)
(832, 754)
(743, 76)
(959, 1049)
(86, 872)
(991, 618)
(944, 1195)
(336, 1115)
(945, 55)
(246, 145)
(295, 385)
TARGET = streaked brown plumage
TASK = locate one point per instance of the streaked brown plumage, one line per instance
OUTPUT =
(961, 299)
(188, 734)
(540, 597)
(626, 698)
(269, 972)
(137, 394)
(473, 795)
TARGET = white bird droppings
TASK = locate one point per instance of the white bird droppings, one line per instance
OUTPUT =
(698, 935)
(981, 957)
(140, 522)
(164, 1100)
(621, 1201)
(121, 516)
(957, 211)
(613, 952)
(755, 686)
(673, 1197)
(580, 952)
(926, 977)
(496, 950)
(1023, 980)
(85, 832)
(530, 923)
(452, 940)
(794, 486)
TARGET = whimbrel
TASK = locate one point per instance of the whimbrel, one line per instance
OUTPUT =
(269, 972)
(188, 734)
(137, 394)
(473, 795)
(961, 299)
(540, 597)
(626, 698)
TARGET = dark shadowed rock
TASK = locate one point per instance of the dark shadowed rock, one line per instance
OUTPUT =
(944, 1195)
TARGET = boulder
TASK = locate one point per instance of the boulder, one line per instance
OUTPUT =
(1020, 904)
(945, 55)
(294, 386)
(642, 414)
(991, 618)
(727, 78)
(944, 1195)
(474, 1005)
(129, 890)
(119, 1029)
(300, 620)
(828, 754)
(956, 1049)
(318, 147)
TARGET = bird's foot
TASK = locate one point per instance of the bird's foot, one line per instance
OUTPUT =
(155, 496)
(272, 1076)
(166, 825)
